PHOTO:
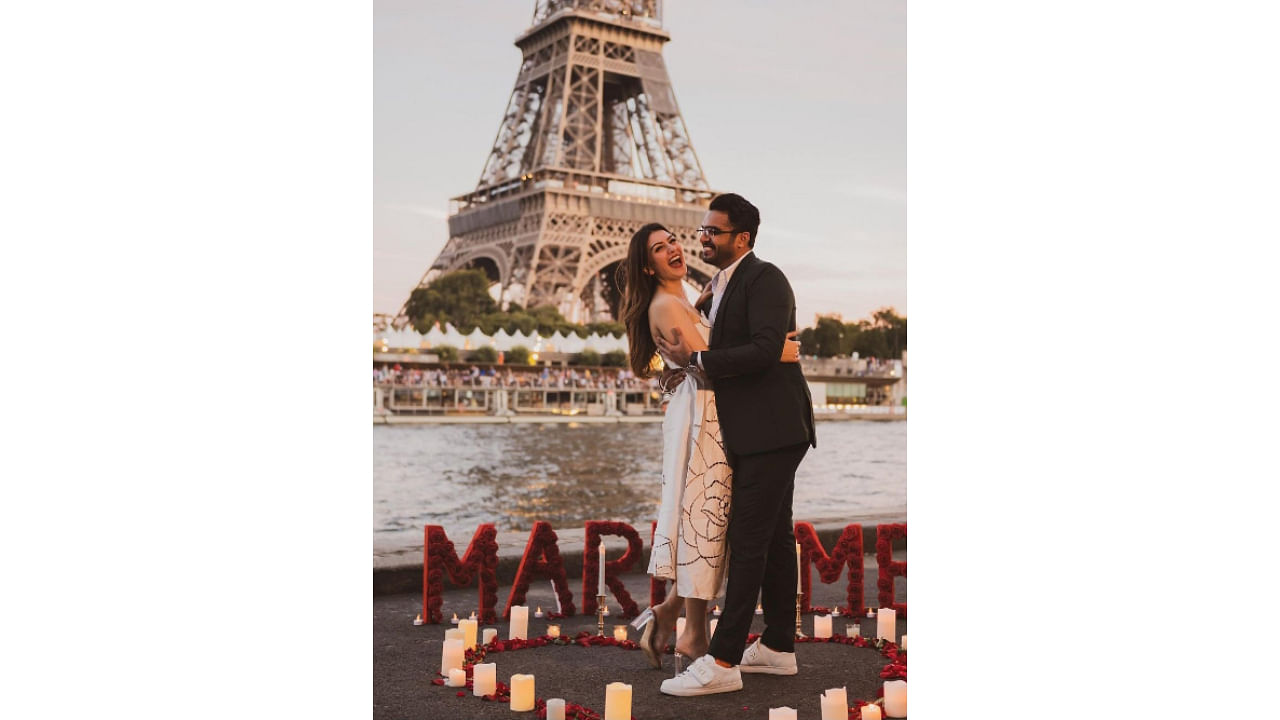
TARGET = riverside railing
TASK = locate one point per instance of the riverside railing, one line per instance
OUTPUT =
(512, 400)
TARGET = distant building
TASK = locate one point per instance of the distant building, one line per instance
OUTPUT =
(844, 381)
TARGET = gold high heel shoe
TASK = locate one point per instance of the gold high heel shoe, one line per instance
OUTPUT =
(649, 621)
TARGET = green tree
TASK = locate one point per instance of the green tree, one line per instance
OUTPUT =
(615, 329)
(549, 320)
(586, 357)
(447, 353)
(872, 344)
(520, 322)
(484, 353)
(518, 355)
(808, 342)
(894, 328)
(614, 358)
(828, 336)
(490, 323)
(460, 297)
(884, 335)
(850, 337)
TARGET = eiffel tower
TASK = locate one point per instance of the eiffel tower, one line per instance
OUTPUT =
(591, 147)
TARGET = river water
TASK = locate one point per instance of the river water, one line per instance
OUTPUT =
(459, 476)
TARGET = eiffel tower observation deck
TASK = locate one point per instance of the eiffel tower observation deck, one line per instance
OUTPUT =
(591, 146)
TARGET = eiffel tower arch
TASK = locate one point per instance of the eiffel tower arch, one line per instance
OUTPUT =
(591, 147)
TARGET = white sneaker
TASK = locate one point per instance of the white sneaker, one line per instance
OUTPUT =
(759, 659)
(703, 677)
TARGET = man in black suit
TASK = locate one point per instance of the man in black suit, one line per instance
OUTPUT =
(766, 418)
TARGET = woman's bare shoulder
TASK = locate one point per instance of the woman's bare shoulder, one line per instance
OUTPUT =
(673, 314)
(664, 305)
(663, 299)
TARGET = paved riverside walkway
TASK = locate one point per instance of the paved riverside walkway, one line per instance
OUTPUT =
(406, 658)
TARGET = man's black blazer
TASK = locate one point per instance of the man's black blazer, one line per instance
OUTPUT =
(764, 404)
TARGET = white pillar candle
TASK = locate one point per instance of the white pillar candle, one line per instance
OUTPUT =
(904, 642)
(489, 635)
(895, 698)
(484, 679)
(457, 678)
(555, 709)
(822, 626)
(519, 623)
(522, 693)
(853, 629)
(619, 632)
(887, 624)
(553, 631)
(450, 656)
(798, 590)
(782, 713)
(617, 701)
(468, 628)
(835, 704)
(454, 634)
(600, 579)
(870, 712)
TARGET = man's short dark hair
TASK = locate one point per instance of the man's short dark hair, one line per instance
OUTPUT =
(743, 216)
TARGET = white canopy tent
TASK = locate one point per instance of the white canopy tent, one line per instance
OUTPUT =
(519, 338)
(500, 340)
(554, 343)
(606, 343)
(477, 339)
(435, 336)
(572, 344)
(452, 336)
(399, 339)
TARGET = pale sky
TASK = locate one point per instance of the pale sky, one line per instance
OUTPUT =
(799, 107)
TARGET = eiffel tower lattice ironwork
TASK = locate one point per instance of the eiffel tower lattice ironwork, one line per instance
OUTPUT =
(591, 147)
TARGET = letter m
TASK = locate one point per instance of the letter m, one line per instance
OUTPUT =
(480, 561)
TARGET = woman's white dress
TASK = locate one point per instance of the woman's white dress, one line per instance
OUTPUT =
(690, 543)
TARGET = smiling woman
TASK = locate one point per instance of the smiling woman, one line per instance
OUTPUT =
(639, 282)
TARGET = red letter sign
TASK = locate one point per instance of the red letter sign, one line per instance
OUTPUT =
(481, 560)
(612, 568)
(847, 552)
(890, 568)
(541, 558)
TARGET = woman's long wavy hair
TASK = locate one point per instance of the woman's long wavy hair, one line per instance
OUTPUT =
(638, 288)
